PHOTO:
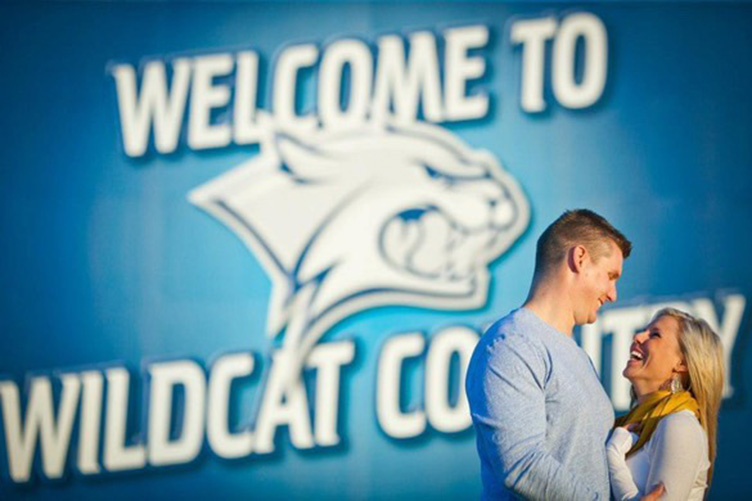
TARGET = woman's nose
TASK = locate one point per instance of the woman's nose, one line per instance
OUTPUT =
(641, 336)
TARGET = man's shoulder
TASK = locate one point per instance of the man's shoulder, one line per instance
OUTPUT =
(507, 347)
(518, 323)
(513, 330)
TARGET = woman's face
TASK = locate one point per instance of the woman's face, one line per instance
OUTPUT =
(655, 356)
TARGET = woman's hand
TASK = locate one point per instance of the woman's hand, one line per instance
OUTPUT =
(622, 439)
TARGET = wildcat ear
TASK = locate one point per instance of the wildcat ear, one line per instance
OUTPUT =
(304, 160)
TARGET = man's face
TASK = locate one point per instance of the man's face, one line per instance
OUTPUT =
(598, 277)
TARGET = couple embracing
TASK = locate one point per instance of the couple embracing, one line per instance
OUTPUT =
(545, 427)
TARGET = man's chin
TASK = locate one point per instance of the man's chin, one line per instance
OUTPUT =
(587, 318)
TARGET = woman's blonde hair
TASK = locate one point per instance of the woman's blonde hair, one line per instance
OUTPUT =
(703, 355)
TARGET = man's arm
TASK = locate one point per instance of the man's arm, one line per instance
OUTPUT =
(507, 401)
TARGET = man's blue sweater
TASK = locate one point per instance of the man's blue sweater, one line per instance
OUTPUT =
(540, 413)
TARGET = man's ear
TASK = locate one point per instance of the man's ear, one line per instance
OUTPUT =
(576, 258)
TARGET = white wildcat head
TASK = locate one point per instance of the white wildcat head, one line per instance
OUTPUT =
(348, 221)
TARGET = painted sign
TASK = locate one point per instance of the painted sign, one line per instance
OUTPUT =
(259, 244)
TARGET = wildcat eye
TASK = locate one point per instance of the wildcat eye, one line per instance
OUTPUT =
(434, 174)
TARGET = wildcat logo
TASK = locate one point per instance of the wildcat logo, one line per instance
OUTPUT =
(347, 221)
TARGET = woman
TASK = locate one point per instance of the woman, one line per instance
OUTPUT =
(669, 436)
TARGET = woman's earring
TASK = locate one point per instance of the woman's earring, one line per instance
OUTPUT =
(676, 385)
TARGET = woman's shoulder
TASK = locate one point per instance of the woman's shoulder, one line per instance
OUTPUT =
(682, 418)
(682, 425)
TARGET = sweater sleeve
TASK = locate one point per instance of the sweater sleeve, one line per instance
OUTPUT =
(623, 486)
(678, 450)
(508, 408)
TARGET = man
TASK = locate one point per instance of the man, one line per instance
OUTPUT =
(541, 415)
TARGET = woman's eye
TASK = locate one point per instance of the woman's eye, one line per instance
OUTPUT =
(655, 334)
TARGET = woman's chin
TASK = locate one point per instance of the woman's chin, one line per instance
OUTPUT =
(631, 369)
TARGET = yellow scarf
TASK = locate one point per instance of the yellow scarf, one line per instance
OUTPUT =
(648, 414)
